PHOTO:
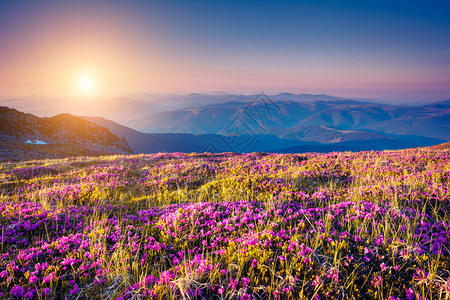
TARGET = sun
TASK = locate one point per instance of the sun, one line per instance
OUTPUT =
(86, 84)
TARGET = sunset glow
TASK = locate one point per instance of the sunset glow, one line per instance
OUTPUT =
(225, 149)
(398, 51)
(86, 84)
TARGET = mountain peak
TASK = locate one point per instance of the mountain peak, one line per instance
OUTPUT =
(56, 135)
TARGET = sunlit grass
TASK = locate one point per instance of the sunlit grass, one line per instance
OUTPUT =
(370, 225)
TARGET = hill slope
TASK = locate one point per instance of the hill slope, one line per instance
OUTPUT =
(27, 136)
(444, 147)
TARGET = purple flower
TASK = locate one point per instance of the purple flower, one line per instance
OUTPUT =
(46, 291)
(49, 278)
(165, 277)
(410, 295)
(17, 291)
(377, 281)
(33, 279)
(220, 290)
(245, 281)
(29, 294)
(74, 290)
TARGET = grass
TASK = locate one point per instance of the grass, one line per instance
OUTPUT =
(369, 225)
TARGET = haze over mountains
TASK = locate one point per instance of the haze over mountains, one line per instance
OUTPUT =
(290, 119)
(127, 110)
(245, 123)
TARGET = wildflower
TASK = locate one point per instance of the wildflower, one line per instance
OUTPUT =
(165, 277)
(46, 291)
(33, 279)
(99, 272)
(17, 291)
(377, 280)
(232, 283)
(334, 274)
(254, 263)
(74, 290)
(421, 276)
(316, 281)
(246, 297)
(29, 294)
(49, 278)
(410, 295)
(245, 281)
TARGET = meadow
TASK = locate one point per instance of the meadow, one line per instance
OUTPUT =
(368, 225)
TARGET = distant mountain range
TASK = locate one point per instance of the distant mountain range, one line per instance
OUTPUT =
(185, 142)
(25, 136)
(246, 123)
(127, 110)
(331, 121)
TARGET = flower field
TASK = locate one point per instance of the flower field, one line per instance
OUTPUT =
(368, 225)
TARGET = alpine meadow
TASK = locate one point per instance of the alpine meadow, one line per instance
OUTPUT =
(224, 150)
(372, 225)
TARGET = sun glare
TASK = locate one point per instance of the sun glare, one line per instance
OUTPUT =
(86, 85)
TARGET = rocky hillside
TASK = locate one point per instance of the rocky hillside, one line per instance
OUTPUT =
(58, 136)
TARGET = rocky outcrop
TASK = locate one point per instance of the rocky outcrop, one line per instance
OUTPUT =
(62, 130)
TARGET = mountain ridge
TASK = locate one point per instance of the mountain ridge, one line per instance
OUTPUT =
(431, 120)
(32, 134)
(270, 122)
(184, 142)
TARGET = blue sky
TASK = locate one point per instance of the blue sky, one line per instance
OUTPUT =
(392, 50)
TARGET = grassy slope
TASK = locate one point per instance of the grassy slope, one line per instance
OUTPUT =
(14, 151)
(340, 225)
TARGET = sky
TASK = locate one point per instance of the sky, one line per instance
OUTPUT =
(397, 51)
